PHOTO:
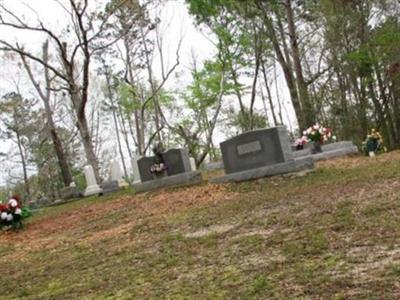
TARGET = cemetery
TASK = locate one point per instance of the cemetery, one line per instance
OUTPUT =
(197, 149)
(251, 155)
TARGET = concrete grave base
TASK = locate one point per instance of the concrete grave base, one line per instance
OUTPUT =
(335, 153)
(182, 179)
(70, 192)
(295, 165)
(329, 151)
(218, 165)
(92, 190)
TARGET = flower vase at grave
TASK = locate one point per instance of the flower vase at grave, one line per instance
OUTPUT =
(316, 147)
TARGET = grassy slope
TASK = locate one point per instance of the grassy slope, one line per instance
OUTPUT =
(333, 234)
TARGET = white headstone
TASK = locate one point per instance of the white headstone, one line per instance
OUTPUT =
(91, 185)
(135, 170)
(192, 163)
(115, 173)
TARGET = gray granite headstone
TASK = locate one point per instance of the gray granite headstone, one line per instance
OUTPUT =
(179, 171)
(135, 169)
(144, 165)
(177, 161)
(110, 186)
(254, 149)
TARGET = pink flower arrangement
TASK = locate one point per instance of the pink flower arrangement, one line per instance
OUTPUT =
(300, 142)
(318, 133)
(158, 168)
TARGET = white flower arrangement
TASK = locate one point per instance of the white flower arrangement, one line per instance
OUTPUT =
(12, 213)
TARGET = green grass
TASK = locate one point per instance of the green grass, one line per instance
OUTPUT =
(332, 234)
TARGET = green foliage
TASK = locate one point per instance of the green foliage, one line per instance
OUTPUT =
(128, 98)
(23, 120)
(205, 9)
(242, 119)
(201, 99)
(165, 98)
(79, 178)
(26, 213)
(204, 90)
(361, 60)
(386, 40)
(18, 115)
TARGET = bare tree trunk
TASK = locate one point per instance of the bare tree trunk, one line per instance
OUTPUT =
(344, 112)
(140, 131)
(380, 115)
(153, 89)
(110, 96)
(23, 162)
(124, 130)
(214, 120)
(238, 94)
(278, 98)
(58, 147)
(265, 106)
(395, 88)
(79, 102)
(212, 153)
(264, 71)
(45, 96)
(290, 81)
(88, 146)
(254, 85)
(307, 109)
(385, 103)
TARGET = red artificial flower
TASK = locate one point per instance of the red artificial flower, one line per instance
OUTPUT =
(3, 207)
